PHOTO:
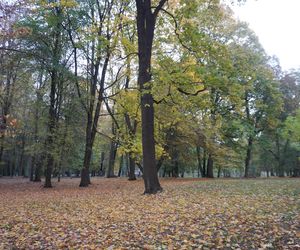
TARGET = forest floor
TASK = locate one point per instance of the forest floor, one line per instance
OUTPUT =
(188, 214)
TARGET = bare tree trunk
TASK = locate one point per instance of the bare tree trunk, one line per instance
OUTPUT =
(51, 129)
(131, 173)
(200, 168)
(145, 28)
(102, 170)
(219, 171)
(248, 156)
(111, 162)
(210, 165)
(120, 166)
(204, 172)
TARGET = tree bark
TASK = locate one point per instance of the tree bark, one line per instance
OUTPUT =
(120, 166)
(204, 172)
(131, 174)
(112, 158)
(92, 123)
(248, 156)
(51, 129)
(102, 170)
(200, 168)
(210, 167)
(145, 29)
(219, 171)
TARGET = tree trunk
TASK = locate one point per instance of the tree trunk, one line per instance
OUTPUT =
(111, 162)
(38, 169)
(102, 171)
(175, 167)
(248, 156)
(120, 166)
(92, 123)
(85, 172)
(210, 167)
(51, 129)
(204, 172)
(21, 170)
(145, 29)
(131, 173)
(31, 174)
(219, 171)
(1, 155)
(200, 168)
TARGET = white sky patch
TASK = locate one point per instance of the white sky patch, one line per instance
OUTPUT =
(277, 24)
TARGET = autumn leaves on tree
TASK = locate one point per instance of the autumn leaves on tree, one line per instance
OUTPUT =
(169, 88)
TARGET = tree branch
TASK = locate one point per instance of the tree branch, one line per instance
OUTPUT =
(159, 7)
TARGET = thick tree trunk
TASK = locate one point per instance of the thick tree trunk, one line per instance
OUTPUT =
(204, 171)
(54, 98)
(48, 172)
(51, 129)
(219, 171)
(85, 172)
(31, 174)
(112, 158)
(145, 29)
(21, 169)
(210, 167)
(102, 170)
(131, 174)
(1, 155)
(176, 169)
(200, 168)
(38, 170)
(248, 156)
(2, 137)
(120, 166)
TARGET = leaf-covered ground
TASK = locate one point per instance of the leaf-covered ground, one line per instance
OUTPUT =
(189, 214)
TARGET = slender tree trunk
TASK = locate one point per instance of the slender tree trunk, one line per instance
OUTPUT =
(248, 156)
(92, 123)
(164, 172)
(160, 163)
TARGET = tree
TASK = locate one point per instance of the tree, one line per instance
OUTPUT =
(146, 20)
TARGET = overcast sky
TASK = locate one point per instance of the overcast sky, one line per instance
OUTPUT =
(277, 24)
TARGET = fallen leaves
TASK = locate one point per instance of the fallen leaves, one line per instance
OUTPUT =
(189, 214)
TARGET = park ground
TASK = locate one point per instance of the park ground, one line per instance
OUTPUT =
(188, 214)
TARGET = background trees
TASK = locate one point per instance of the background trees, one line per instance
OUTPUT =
(163, 87)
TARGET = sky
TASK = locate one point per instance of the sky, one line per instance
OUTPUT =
(277, 24)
